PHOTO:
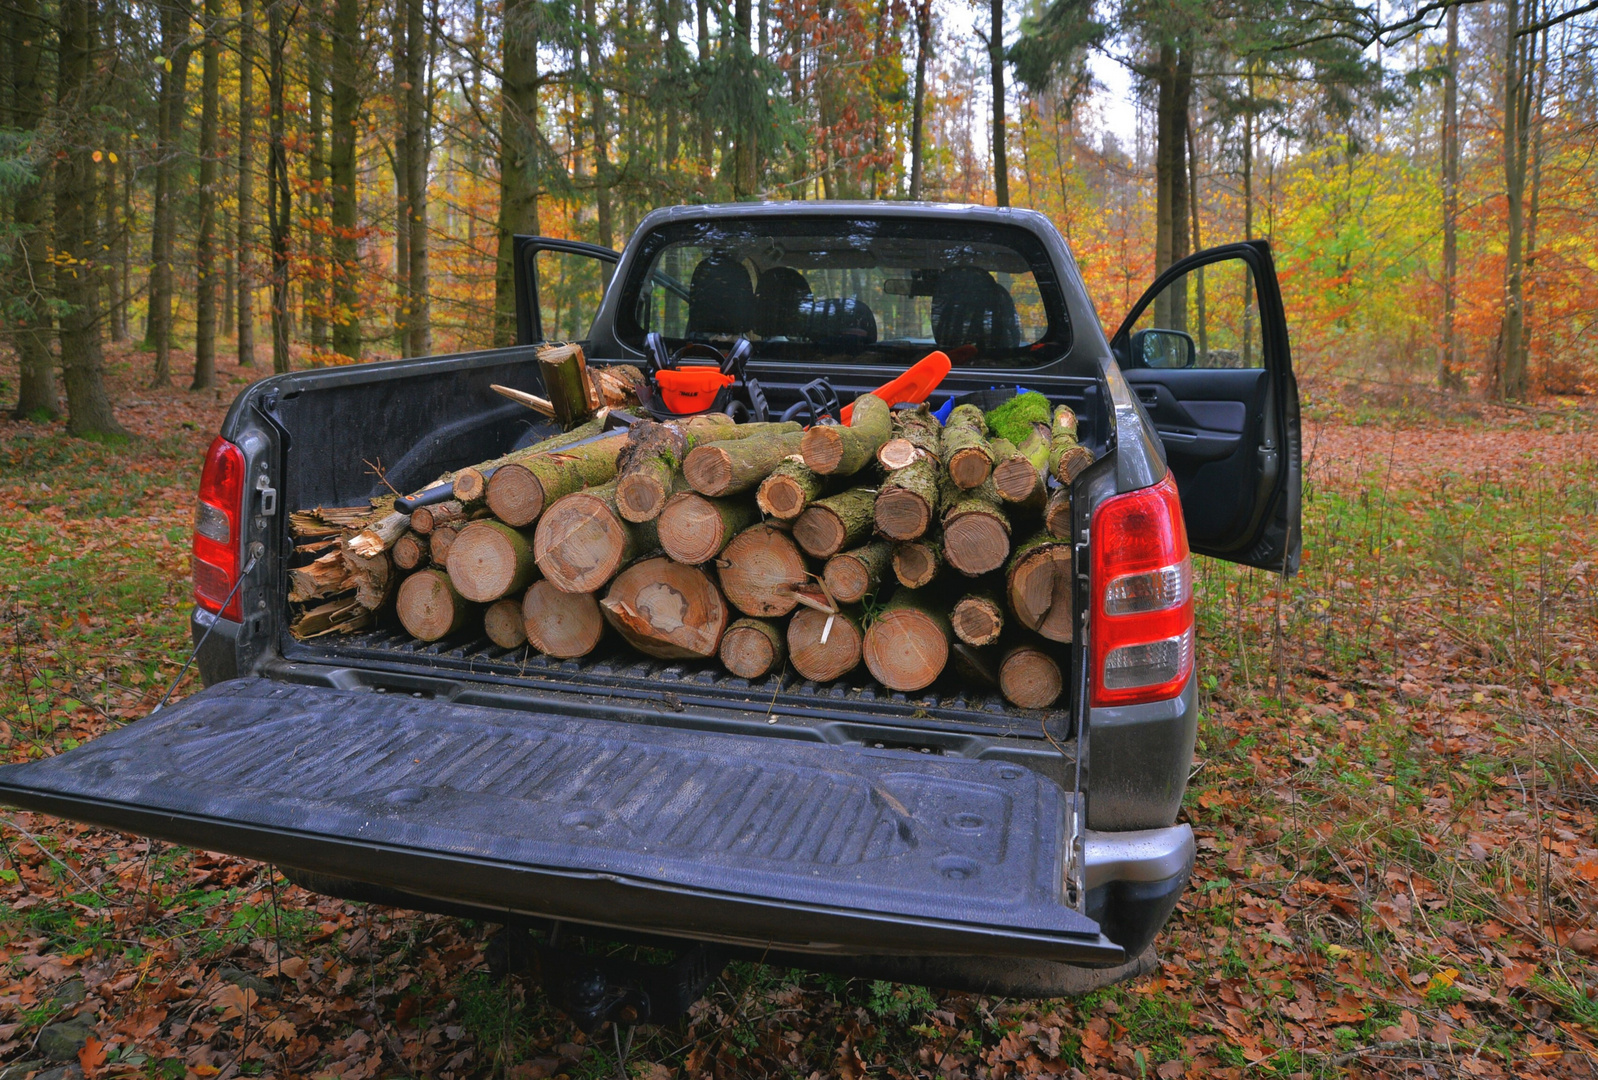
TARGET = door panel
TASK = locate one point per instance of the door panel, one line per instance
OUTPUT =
(1206, 352)
(559, 285)
(568, 815)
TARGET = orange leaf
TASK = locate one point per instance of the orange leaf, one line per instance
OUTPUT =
(92, 1056)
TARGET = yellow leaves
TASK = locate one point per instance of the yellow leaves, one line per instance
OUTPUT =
(1339, 952)
(1441, 981)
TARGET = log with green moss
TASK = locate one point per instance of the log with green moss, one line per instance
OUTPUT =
(470, 485)
(1067, 457)
(836, 522)
(519, 491)
(490, 560)
(852, 575)
(916, 434)
(566, 382)
(909, 500)
(648, 469)
(976, 532)
(1015, 418)
(695, 528)
(1017, 480)
(735, 466)
(966, 453)
(791, 487)
(583, 541)
(835, 450)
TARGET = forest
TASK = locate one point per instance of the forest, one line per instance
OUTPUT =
(308, 182)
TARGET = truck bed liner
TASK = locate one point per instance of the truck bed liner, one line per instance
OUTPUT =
(801, 845)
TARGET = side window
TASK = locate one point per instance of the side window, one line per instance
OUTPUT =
(570, 288)
(1207, 318)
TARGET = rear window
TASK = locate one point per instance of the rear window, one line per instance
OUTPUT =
(841, 290)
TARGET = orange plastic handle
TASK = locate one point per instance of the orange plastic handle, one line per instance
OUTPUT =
(911, 388)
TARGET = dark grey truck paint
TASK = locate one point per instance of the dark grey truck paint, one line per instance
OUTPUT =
(942, 837)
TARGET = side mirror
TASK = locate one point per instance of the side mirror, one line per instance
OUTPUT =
(1163, 349)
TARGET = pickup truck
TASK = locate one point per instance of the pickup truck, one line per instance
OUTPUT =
(942, 837)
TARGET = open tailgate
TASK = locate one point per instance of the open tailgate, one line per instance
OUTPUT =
(726, 837)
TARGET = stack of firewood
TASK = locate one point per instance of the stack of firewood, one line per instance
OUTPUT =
(897, 542)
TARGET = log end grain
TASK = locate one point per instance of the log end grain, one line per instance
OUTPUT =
(489, 560)
(818, 660)
(429, 606)
(847, 578)
(469, 485)
(760, 570)
(1016, 479)
(902, 514)
(783, 497)
(640, 496)
(975, 544)
(515, 495)
(1057, 514)
(970, 467)
(580, 543)
(906, 650)
(692, 529)
(410, 551)
(915, 564)
(752, 649)
(822, 448)
(977, 620)
(502, 622)
(708, 469)
(820, 531)
(667, 610)
(561, 624)
(1030, 678)
(1039, 588)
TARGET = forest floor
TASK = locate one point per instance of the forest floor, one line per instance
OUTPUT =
(1395, 795)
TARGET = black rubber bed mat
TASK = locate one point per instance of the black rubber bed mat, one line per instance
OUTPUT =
(729, 837)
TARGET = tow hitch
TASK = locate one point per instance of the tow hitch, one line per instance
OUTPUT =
(593, 990)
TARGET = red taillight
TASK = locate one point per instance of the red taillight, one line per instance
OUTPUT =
(1142, 587)
(217, 528)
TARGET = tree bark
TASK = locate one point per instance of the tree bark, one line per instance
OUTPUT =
(1001, 160)
(471, 484)
(561, 624)
(667, 610)
(1038, 586)
(345, 265)
(824, 661)
(424, 519)
(205, 244)
(1017, 480)
(36, 394)
(518, 155)
(791, 487)
(836, 522)
(279, 196)
(174, 17)
(430, 608)
(1030, 678)
(916, 435)
(1447, 368)
(419, 318)
(503, 624)
(520, 491)
(850, 576)
(565, 373)
(731, 467)
(907, 646)
(760, 570)
(313, 284)
(834, 450)
(753, 648)
(923, 14)
(965, 450)
(77, 286)
(1067, 457)
(648, 467)
(695, 528)
(245, 239)
(582, 540)
(909, 500)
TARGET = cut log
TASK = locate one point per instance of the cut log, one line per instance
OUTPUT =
(917, 562)
(823, 661)
(834, 450)
(753, 648)
(565, 371)
(489, 559)
(328, 576)
(1030, 678)
(561, 624)
(667, 610)
(374, 578)
(1067, 457)
(907, 645)
(916, 434)
(430, 608)
(342, 616)
(694, 529)
(908, 501)
(733, 466)
(760, 570)
(965, 452)
(791, 487)
(519, 491)
(379, 536)
(410, 550)
(978, 618)
(441, 541)
(328, 521)
(522, 397)
(647, 467)
(470, 485)
(976, 534)
(616, 385)
(852, 575)
(836, 522)
(1015, 477)
(424, 519)
(502, 622)
(1057, 514)
(1037, 583)
(582, 540)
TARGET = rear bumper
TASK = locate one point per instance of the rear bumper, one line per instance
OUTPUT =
(1134, 880)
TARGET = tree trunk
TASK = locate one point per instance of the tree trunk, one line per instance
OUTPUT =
(518, 155)
(82, 366)
(1038, 586)
(345, 267)
(732, 467)
(1001, 161)
(850, 576)
(834, 450)
(791, 487)
(824, 660)
(694, 528)
(917, 562)
(503, 624)
(419, 318)
(648, 467)
(245, 240)
(753, 648)
(599, 125)
(174, 17)
(923, 12)
(205, 245)
(667, 610)
(424, 519)
(1519, 70)
(561, 624)
(489, 560)
(36, 394)
(399, 164)
(978, 618)
(279, 196)
(837, 522)
(430, 608)
(907, 646)
(760, 570)
(1030, 678)
(313, 284)
(582, 540)
(1447, 368)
